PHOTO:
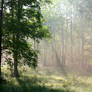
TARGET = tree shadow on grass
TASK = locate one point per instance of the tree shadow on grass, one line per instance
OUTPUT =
(28, 85)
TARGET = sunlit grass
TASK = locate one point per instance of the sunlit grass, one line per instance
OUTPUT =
(39, 80)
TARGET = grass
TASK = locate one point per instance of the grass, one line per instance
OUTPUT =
(46, 80)
(29, 84)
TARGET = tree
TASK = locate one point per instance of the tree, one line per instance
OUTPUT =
(1, 31)
(21, 24)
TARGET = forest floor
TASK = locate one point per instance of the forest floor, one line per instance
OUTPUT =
(46, 80)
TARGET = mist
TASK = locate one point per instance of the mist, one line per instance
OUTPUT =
(70, 47)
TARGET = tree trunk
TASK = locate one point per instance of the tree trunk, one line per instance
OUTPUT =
(82, 48)
(0, 52)
(16, 74)
(15, 56)
(16, 38)
(71, 34)
(63, 47)
(1, 22)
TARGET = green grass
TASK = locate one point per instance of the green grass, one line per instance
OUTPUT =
(46, 80)
(29, 84)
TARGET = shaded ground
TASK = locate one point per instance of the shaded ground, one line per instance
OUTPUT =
(46, 80)
(29, 84)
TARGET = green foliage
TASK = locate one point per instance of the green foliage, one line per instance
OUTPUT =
(23, 21)
(28, 55)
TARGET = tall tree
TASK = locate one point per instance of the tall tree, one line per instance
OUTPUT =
(23, 23)
(1, 31)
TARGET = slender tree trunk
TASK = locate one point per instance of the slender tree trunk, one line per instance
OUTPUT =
(66, 35)
(34, 44)
(66, 41)
(82, 48)
(0, 49)
(16, 38)
(15, 53)
(71, 34)
(16, 74)
(82, 43)
(1, 22)
(63, 48)
(71, 44)
(15, 56)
